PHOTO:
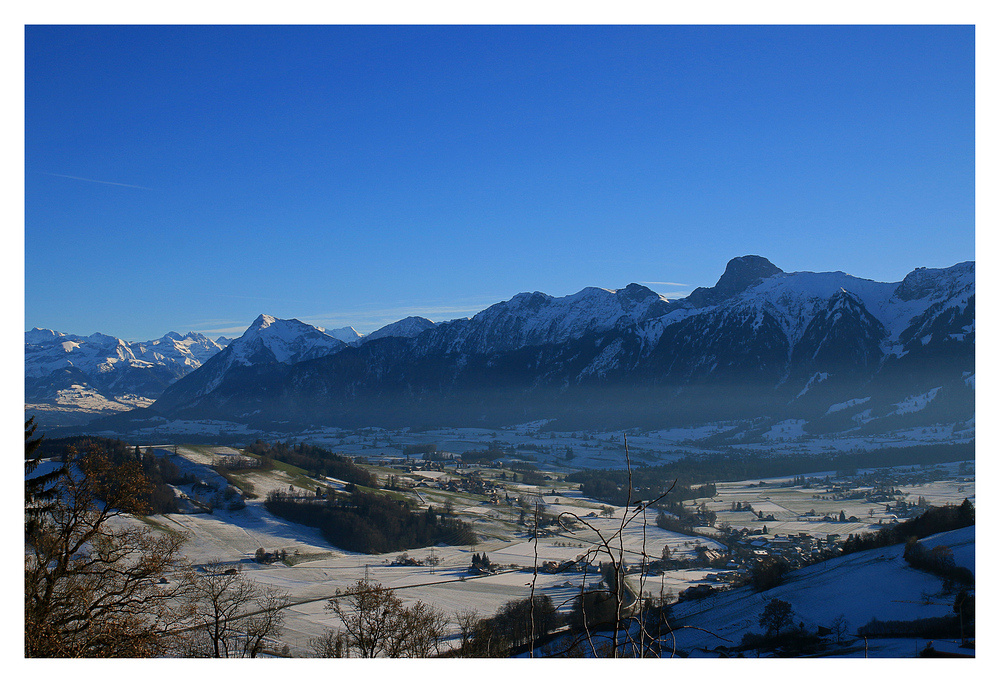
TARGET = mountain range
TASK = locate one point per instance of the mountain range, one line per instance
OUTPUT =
(54, 361)
(839, 351)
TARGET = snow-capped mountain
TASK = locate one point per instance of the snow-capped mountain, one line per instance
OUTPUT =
(348, 335)
(100, 373)
(108, 359)
(760, 340)
(407, 327)
(268, 341)
(191, 350)
(537, 319)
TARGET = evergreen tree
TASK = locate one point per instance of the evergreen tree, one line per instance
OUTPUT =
(966, 513)
(39, 492)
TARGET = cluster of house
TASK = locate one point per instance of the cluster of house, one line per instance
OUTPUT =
(412, 463)
(796, 549)
(264, 557)
(496, 491)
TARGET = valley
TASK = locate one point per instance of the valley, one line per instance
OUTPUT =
(544, 338)
(791, 510)
(469, 465)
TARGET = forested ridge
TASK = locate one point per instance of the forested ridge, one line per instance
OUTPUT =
(316, 461)
(649, 482)
(159, 471)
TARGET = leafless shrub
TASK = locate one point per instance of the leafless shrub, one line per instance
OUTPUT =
(378, 624)
(234, 616)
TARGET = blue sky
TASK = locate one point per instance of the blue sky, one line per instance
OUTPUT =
(191, 178)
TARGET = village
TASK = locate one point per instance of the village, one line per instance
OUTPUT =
(778, 528)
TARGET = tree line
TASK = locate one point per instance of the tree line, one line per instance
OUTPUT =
(938, 560)
(370, 522)
(316, 461)
(158, 471)
(933, 521)
(612, 486)
(737, 465)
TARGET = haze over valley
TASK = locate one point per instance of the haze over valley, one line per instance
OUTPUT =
(772, 361)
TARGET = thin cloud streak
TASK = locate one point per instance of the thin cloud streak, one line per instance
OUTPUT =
(224, 331)
(214, 328)
(672, 284)
(675, 295)
(100, 182)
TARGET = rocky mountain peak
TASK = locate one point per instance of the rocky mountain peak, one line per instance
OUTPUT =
(263, 320)
(741, 273)
(635, 292)
(925, 282)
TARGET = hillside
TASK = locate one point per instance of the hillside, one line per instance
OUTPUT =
(862, 586)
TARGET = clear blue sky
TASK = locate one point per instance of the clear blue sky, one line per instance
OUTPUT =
(191, 178)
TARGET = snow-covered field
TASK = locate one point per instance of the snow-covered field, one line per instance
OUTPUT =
(319, 570)
(874, 584)
(801, 510)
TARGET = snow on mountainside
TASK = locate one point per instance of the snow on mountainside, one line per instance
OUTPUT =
(47, 350)
(191, 350)
(535, 319)
(268, 340)
(407, 327)
(771, 334)
(800, 339)
(282, 341)
(69, 376)
(793, 299)
(837, 407)
(347, 335)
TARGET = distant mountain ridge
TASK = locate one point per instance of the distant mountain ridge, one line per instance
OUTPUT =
(77, 376)
(760, 340)
(113, 374)
(110, 364)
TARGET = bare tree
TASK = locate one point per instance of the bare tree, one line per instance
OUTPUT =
(369, 613)
(330, 644)
(235, 616)
(777, 615)
(839, 627)
(420, 630)
(94, 588)
(466, 620)
(377, 624)
(625, 609)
